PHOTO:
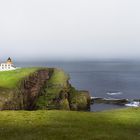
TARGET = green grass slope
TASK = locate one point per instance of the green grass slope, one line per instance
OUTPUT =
(59, 78)
(67, 125)
(11, 79)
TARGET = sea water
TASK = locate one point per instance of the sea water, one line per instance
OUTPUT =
(106, 79)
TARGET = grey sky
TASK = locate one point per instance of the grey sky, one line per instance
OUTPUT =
(69, 29)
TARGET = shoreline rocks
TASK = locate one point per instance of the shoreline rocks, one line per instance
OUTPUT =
(109, 100)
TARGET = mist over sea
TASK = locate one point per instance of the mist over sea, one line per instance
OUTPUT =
(100, 78)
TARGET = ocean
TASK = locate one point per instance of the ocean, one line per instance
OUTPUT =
(106, 79)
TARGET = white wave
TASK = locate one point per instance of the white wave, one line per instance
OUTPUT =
(114, 93)
(133, 104)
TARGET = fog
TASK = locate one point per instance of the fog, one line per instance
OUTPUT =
(69, 30)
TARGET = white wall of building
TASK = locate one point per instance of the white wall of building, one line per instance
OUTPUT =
(6, 67)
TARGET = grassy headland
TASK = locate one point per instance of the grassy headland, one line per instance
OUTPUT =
(40, 88)
(60, 125)
(11, 79)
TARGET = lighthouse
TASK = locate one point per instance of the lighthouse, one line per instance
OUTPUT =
(7, 66)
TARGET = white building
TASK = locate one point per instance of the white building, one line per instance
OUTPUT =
(7, 66)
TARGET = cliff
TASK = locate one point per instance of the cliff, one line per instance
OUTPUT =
(40, 88)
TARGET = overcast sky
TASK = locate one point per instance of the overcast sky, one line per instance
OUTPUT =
(69, 29)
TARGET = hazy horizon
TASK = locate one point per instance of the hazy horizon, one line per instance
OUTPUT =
(70, 30)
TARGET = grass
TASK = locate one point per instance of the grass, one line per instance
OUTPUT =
(57, 82)
(10, 79)
(59, 78)
(60, 125)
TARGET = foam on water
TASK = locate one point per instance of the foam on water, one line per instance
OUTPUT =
(114, 93)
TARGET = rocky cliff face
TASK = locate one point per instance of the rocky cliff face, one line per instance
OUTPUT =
(24, 96)
(37, 92)
(31, 88)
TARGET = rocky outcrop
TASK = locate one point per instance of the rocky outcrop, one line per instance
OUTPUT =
(79, 99)
(109, 101)
(37, 92)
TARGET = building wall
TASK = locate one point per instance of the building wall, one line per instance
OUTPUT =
(6, 67)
